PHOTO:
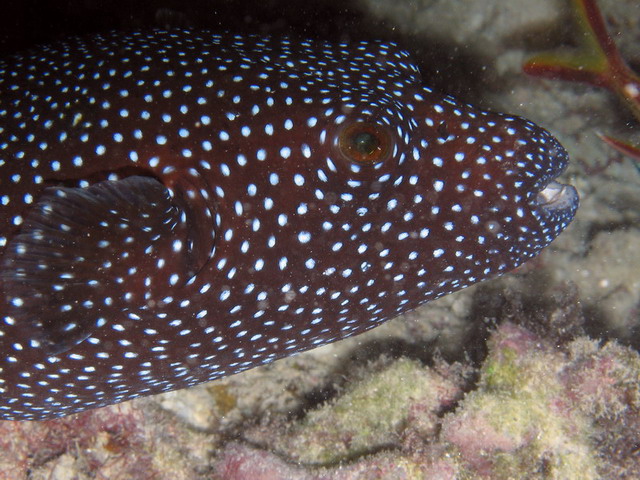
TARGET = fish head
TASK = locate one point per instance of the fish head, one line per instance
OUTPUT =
(424, 195)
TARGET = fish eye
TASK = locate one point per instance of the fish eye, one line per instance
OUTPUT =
(365, 143)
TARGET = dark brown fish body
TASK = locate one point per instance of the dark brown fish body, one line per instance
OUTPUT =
(180, 206)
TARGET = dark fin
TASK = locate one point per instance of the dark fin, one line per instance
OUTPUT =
(86, 257)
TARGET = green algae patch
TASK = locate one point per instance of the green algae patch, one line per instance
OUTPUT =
(503, 373)
(372, 414)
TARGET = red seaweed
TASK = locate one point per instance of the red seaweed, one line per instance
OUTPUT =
(596, 61)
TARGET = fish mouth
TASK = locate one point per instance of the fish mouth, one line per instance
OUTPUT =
(555, 199)
(557, 196)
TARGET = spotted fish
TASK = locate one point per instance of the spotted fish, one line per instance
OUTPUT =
(178, 206)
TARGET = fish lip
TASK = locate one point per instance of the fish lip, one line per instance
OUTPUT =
(557, 196)
(549, 194)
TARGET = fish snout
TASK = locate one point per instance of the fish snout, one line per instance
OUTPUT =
(552, 197)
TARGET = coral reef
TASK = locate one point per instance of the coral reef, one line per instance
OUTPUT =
(539, 410)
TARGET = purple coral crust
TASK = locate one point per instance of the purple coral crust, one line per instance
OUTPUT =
(106, 443)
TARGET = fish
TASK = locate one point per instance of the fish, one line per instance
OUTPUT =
(177, 206)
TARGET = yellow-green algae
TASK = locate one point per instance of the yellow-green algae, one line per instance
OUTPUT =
(370, 415)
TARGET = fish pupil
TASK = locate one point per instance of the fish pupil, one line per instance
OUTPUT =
(365, 143)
